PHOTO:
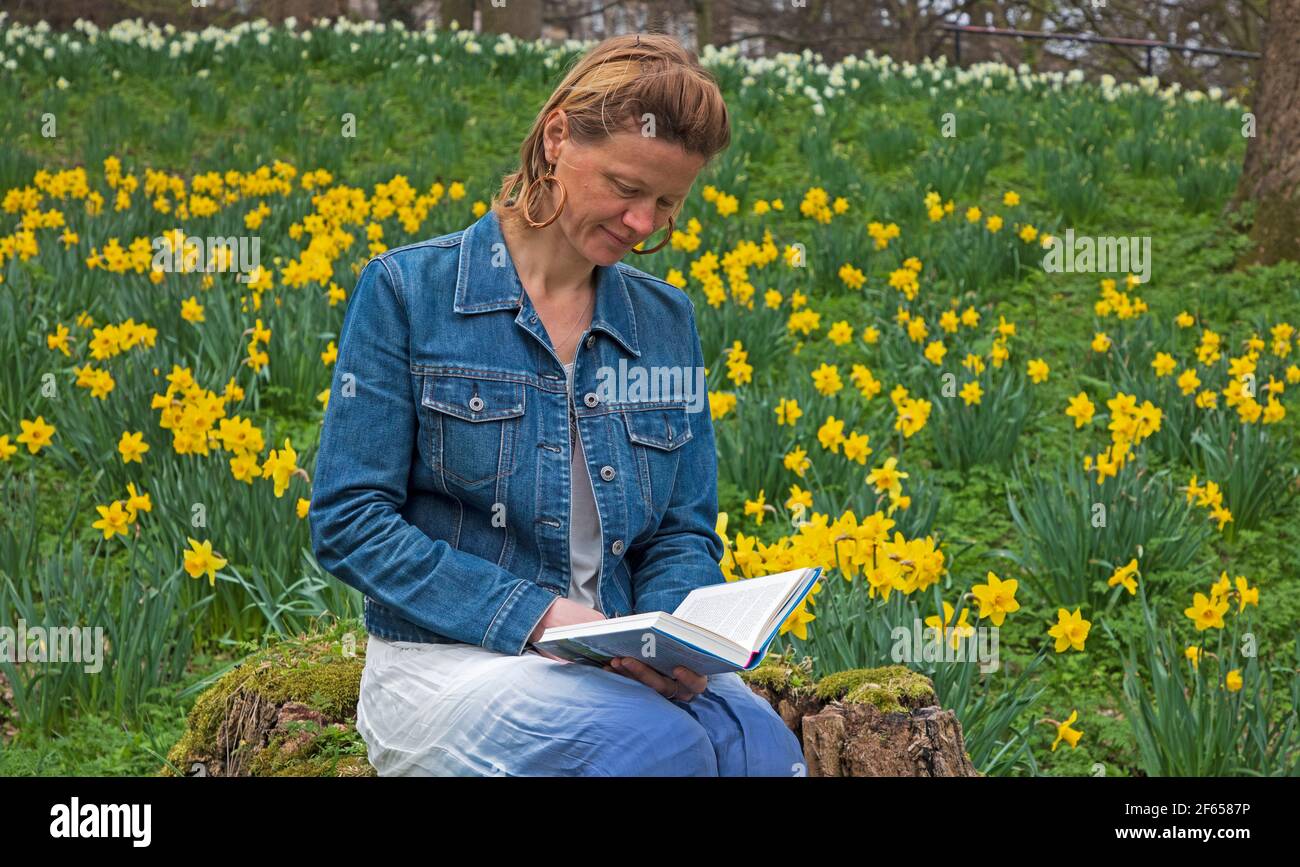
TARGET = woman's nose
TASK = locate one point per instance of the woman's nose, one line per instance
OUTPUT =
(640, 219)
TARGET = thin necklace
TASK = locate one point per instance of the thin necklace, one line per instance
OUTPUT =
(573, 413)
(581, 316)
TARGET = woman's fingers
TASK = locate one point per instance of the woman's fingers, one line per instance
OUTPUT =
(696, 683)
(685, 688)
(665, 686)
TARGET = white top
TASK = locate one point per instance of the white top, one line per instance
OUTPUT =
(584, 524)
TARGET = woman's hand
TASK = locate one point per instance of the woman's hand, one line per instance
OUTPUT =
(563, 612)
(687, 685)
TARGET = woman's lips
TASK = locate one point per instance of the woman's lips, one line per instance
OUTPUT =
(616, 238)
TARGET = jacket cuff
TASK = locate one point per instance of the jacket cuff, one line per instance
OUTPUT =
(518, 617)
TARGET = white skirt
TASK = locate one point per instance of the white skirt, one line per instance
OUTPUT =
(463, 710)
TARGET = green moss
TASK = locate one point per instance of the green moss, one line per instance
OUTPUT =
(310, 669)
(331, 753)
(890, 688)
(779, 673)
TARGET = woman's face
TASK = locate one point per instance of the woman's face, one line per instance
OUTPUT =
(620, 191)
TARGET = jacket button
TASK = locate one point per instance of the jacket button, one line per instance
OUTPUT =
(476, 403)
(607, 473)
(591, 341)
(590, 398)
(617, 547)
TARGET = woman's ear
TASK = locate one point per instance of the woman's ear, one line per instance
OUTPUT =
(554, 134)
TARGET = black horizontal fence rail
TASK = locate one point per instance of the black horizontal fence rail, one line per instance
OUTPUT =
(1149, 45)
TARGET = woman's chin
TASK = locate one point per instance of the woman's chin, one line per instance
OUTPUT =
(606, 255)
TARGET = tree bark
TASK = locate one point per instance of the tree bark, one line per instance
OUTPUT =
(704, 11)
(851, 736)
(460, 11)
(1271, 175)
(520, 18)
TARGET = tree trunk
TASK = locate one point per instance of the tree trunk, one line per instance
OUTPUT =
(460, 11)
(704, 32)
(398, 10)
(867, 722)
(1271, 175)
(520, 18)
(721, 22)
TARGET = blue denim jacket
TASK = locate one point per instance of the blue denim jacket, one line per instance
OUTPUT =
(441, 488)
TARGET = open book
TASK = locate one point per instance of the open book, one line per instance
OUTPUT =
(716, 629)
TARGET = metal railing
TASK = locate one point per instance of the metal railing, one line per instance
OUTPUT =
(1149, 45)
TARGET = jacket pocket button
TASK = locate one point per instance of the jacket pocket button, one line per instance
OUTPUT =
(476, 403)
(607, 473)
(617, 547)
(590, 398)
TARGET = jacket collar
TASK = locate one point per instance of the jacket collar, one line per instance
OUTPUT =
(481, 288)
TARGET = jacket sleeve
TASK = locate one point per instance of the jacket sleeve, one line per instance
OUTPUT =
(685, 551)
(367, 445)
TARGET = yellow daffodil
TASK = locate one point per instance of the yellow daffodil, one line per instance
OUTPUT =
(1246, 595)
(36, 435)
(1081, 409)
(997, 598)
(131, 446)
(1124, 576)
(1070, 630)
(200, 559)
(113, 519)
(1066, 733)
(136, 502)
(949, 631)
(279, 466)
(1205, 614)
(787, 411)
(887, 477)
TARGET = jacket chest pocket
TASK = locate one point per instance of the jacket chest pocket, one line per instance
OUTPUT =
(656, 436)
(473, 426)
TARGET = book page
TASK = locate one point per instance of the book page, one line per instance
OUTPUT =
(739, 610)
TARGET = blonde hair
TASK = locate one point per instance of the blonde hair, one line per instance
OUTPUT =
(609, 90)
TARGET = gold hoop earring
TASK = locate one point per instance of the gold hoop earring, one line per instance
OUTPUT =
(564, 195)
(672, 227)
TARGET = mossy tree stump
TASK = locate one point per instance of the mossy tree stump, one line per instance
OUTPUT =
(290, 710)
(866, 722)
(287, 710)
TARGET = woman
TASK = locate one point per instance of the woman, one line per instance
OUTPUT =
(485, 473)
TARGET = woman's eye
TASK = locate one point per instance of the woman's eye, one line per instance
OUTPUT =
(626, 191)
